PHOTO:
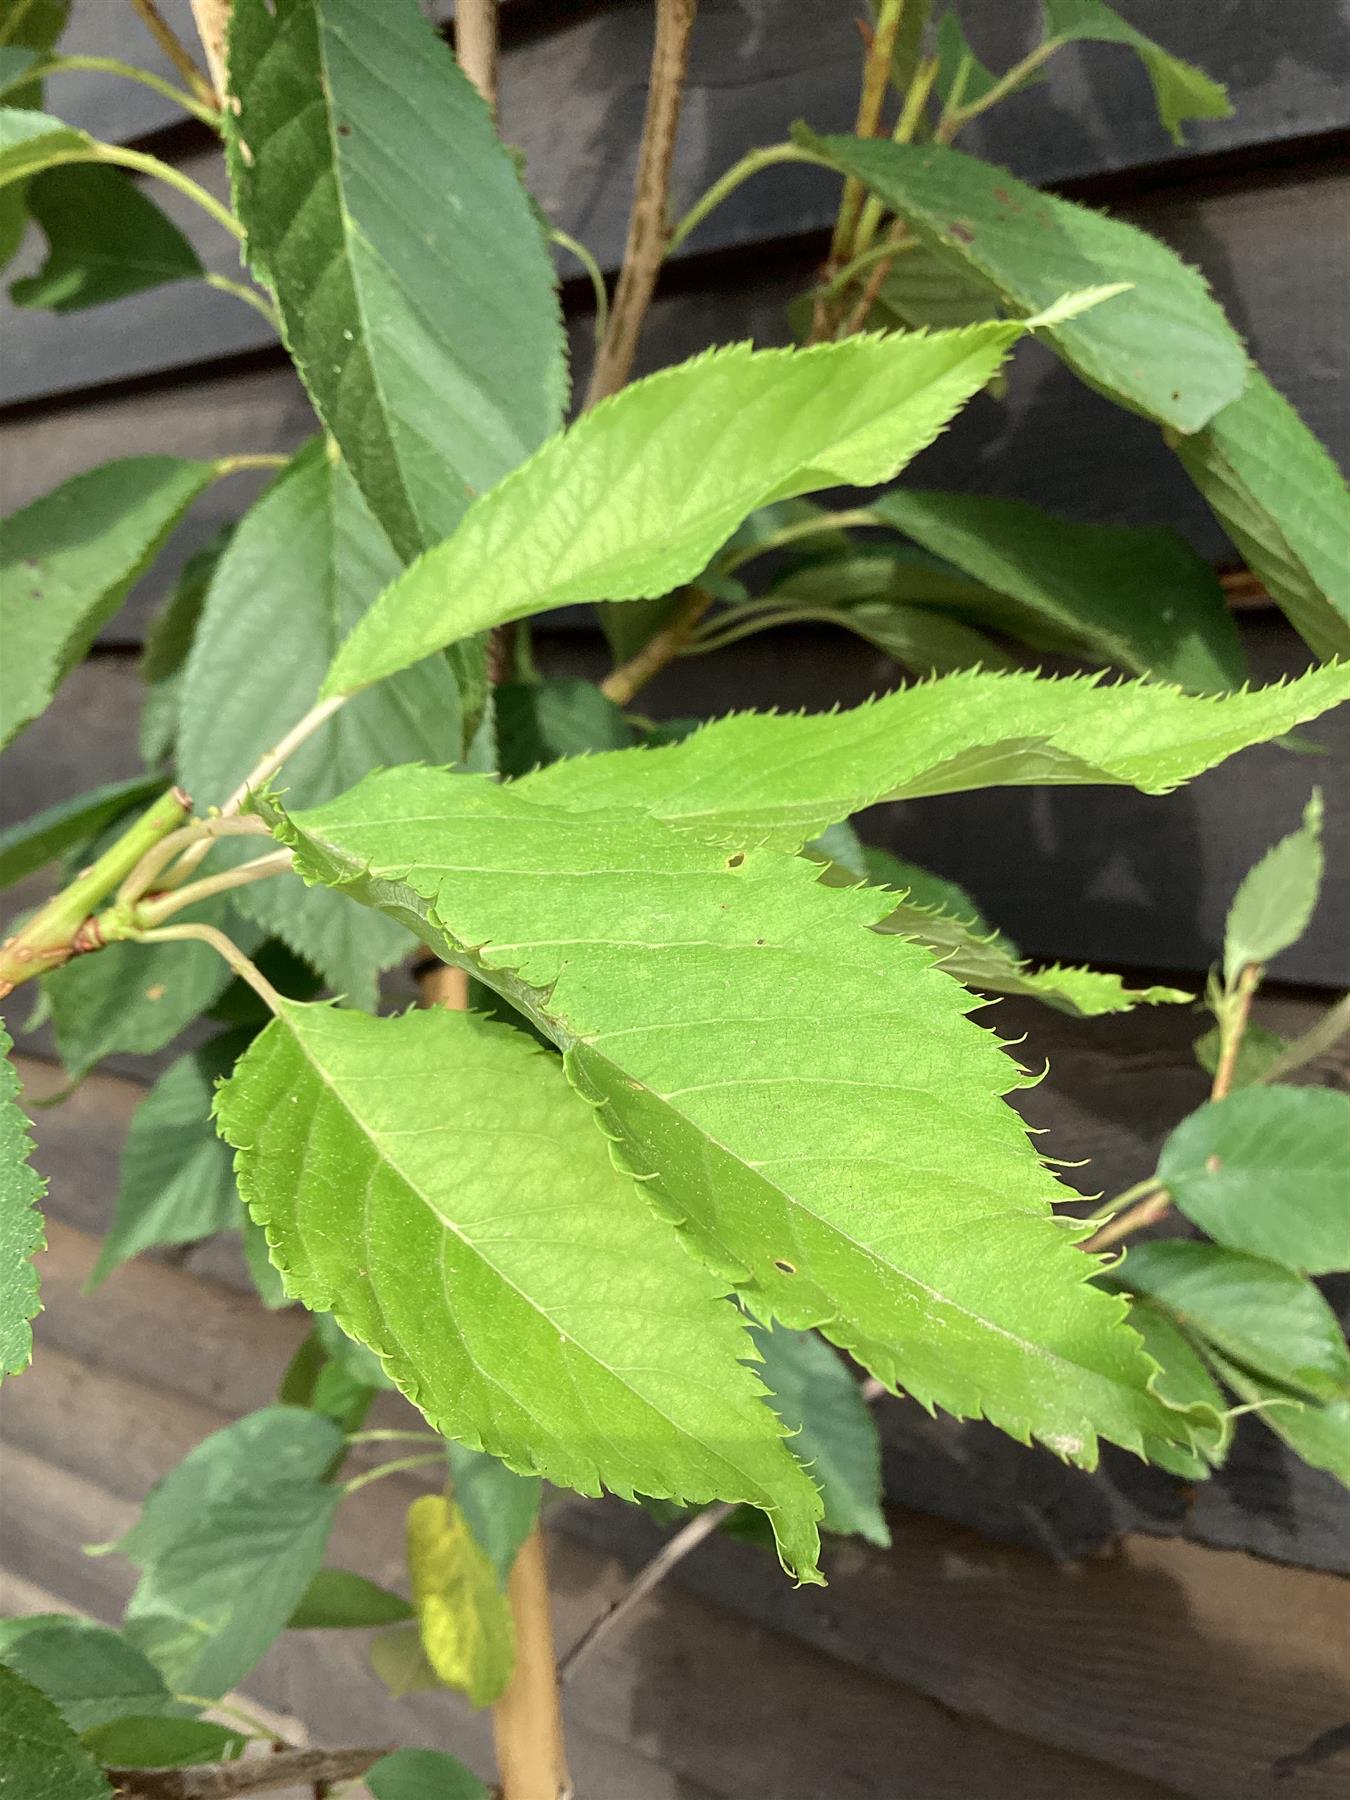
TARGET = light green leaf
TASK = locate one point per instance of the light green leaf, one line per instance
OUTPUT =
(755, 778)
(166, 647)
(423, 1775)
(136, 998)
(1258, 1053)
(681, 1008)
(28, 36)
(1136, 596)
(581, 1343)
(89, 1673)
(462, 1614)
(37, 841)
(106, 239)
(1184, 1380)
(817, 1399)
(70, 559)
(1318, 1434)
(1275, 901)
(1181, 90)
(981, 957)
(302, 567)
(399, 1660)
(336, 1599)
(228, 1543)
(1268, 1171)
(539, 722)
(44, 1760)
(499, 1506)
(640, 492)
(1164, 349)
(21, 1230)
(1282, 500)
(416, 294)
(1252, 1311)
(31, 141)
(175, 1179)
(151, 1743)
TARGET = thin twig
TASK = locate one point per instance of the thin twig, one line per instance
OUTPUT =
(174, 48)
(750, 164)
(252, 1775)
(223, 946)
(267, 766)
(398, 1467)
(1233, 1028)
(647, 228)
(112, 65)
(527, 1730)
(595, 273)
(476, 45)
(145, 873)
(212, 19)
(1320, 1037)
(622, 683)
(154, 912)
(250, 296)
(1134, 1218)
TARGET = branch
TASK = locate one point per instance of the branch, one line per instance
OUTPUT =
(174, 48)
(527, 1721)
(156, 910)
(648, 233)
(212, 19)
(476, 45)
(224, 1781)
(622, 683)
(223, 946)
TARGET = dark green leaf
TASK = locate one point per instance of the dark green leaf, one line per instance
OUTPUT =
(228, 1543)
(336, 1599)
(68, 562)
(302, 567)
(43, 1758)
(1319, 1434)
(1281, 499)
(1257, 1053)
(41, 839)
(499, 1506)
(1272, 907)
(150, 1743)
(21, 1231)
(423, 1775)
(1164, 349)
(924, 288)
(1268, 1171)
(28, 36)
(416, 293)
(1181, 90)
(815, 1396)
(1252, 1311)
(399, 1660)
(106, 239)
(361, 1364)
(166, 649)
(91, 1674)
(961, 77)
(15, 62)
(1135, 596)
(1183, 1380)
(538, 722)
(176, 1178)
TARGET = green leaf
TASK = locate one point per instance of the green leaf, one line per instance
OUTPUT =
(37, 841)
(819, 1401)
(150, 1743)
(302, 567)
(91, 1674)
(1184, 1381)
(499, 1506)
(581, 1343)
(15, 62)
(1258, 1052)
(136, 998)
(1164, 349)
(166, 648)
(683, 1009)
(961, 77)
(21, 1229)
(539, 722)
(1267, 1171)
(399, 1660)
(1252, 1311)
(266, 1279)
(175, 1179)
(756, 778)
(1319, 1434)
(337, 1599)
(68, 562)
(227, 1545)
(462, 1614)
(919, 639)
(1275, 901)
(31, 141)
(922, 288)
(636, 496)
(1181, 90)
(1282, 500)
(44, 1760)
(423, 1775)
(981, 957)
(106, 239)
(28, 37)
(361, 1364)
(1138, 597)
(416, 294)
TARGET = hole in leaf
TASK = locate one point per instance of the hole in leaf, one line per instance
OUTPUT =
(735, 861)
(784, 1267)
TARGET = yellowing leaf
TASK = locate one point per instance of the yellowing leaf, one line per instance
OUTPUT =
(462, 1614)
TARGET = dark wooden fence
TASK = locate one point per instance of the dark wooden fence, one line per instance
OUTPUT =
(1184, 1657)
